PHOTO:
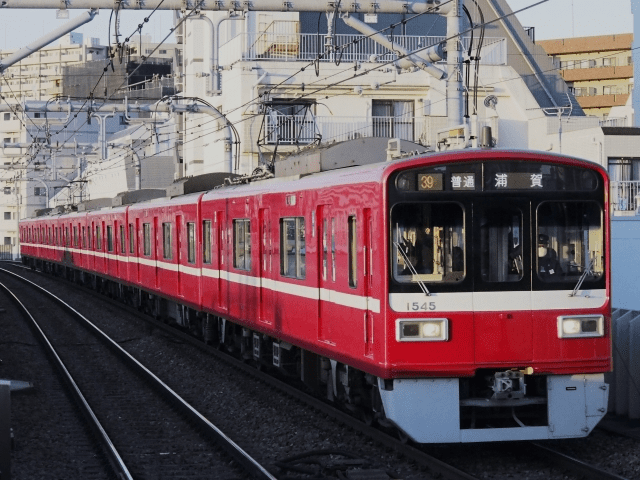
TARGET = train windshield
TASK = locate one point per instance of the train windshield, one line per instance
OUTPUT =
(570, 241)
(428, 242)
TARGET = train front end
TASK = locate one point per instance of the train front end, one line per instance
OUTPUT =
(498, 323)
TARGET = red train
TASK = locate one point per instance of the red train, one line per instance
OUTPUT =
(460, 297)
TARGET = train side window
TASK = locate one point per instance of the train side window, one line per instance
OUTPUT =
(191, 242)
(293, 247)
(109, 238)
(66, 237)
(428, 242)
(206, 241)
(353, 249)
(166, 241)
(131, 239)
(242, 244)
(123, 240)
(84, 237)
(98, 238)
(501, 236)
(75, 236)
(146, 236)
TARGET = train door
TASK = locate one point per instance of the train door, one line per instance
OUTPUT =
(326, 268)
(179, 255)
(219, 249)
(138, 252)
(502, 292)
(267, 295)
(156, 250)
(368, 280)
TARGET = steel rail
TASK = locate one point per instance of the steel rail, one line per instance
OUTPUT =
(432, 464)
(250, 465)
(583, 469)
(116, 462)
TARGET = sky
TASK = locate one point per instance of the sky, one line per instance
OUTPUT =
(552, 19)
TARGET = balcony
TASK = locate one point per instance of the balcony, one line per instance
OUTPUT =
(598, 73)
(625, 197)
(304, 47)
(286, 130)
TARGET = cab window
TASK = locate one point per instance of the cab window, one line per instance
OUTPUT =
(570, 241)
(428, 242)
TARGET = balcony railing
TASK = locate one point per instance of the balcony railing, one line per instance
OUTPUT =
(625, 196)
(301, 130)
(295, 47)
(571, 124)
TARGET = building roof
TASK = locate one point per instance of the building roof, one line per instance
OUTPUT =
(602, 43)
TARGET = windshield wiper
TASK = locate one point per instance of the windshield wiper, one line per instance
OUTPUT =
(585, 272)
(412, 269)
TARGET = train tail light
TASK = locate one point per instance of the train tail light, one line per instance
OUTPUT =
(581, 326)
(431, 330)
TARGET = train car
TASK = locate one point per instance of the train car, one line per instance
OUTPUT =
(458, 297)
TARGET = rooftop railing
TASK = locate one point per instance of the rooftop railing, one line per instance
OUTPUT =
(296, 47)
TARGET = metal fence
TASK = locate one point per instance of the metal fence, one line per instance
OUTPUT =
(304, 130)
(625, 196)
(295, 47)
(624, 381)
(6, 252)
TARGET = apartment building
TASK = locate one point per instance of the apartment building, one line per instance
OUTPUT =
(39, 76)
(599, 69)
(35, 172)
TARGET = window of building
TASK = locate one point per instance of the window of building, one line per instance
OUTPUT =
(206, 241)
(166, 241)
(146, 238)
(353, 251)
(242, 244)
(40, 191)
(163, 52)
(7, 190)
(393, 119)
(7, 215)
(7, 240)
(609, 62)
(191, 242)
(292, 248)
(7, 116)
(109, 238)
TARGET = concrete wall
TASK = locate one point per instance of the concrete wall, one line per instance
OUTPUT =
(625, 262)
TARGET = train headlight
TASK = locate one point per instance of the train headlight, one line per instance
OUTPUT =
(431, 330)
(581, 326)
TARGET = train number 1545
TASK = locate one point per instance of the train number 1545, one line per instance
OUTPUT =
(417, 306)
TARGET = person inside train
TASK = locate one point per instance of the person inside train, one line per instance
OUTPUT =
(548, 264)
(424, 250)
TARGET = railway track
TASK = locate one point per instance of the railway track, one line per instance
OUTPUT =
(436, 467)
(577, 467)
(144, 428)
